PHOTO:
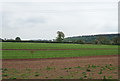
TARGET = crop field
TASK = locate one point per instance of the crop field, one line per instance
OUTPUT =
(48, 50)
(59, 61)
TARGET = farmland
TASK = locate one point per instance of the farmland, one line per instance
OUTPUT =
(59, 61)
(48, 50)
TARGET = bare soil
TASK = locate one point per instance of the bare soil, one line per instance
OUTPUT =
(69, 68)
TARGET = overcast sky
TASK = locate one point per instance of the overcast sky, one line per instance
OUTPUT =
(33, 19)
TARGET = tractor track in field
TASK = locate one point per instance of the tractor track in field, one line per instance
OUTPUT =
(63, 58)
(62, 49)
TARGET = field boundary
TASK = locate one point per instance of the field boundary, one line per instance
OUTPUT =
(65, 49)
(81, 57)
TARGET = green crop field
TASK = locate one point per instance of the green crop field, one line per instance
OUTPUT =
(52, 52)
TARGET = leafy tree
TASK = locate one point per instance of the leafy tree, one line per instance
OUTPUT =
(96, 41)
(60, 36)
(116, 40)
(80, 41)
(102, 40)
(17, 39)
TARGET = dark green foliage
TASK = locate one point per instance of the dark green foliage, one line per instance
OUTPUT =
(4, 75)
(103, 40)
(80, 42)
(4, 70)
(88, 70)
(88, 39)
(17, 39)
(104, 77)
(61, 77)
(109, 77)
(100, 72)
(89, 66)
(67, 68)
(46, 77)
(84, 73)
(116, 40)
(93, 66)
(78, 67)
(95, 39)
(81, 78)
(37, 75)
(49, 68)
(60, 36)
(13, 78)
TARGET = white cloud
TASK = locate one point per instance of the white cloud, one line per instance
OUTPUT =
(42, 20)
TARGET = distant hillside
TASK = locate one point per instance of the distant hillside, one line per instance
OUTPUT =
(111, 39)
(91, 38)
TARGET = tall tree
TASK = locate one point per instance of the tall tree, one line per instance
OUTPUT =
(60, 36)
(17, 39)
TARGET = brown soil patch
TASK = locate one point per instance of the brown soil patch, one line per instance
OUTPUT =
(64, 67)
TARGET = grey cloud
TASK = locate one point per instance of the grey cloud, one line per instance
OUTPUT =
(35, 20)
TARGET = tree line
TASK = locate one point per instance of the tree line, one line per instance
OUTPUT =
(108, 39)
(113, 39)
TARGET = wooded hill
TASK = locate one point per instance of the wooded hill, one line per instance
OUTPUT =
(101, 38)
